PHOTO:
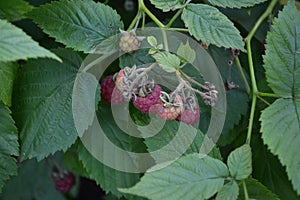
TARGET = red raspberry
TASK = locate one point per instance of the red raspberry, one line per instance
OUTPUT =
(63, 182)
(109, 92)
(189, 116)
(169, 112)
(120, 80)
(145, 103)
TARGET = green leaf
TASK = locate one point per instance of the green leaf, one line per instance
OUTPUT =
(33, 182)
(280, 126)
(240, 162)
(85, 100)
(187, 144)
(209, 25)
(14, 10)
(43, 105)
(8, 145)
(256, 191)
(16, 45)
(137, 58)
(282, 59)
(152, 41)
(236, 98)
(167, 61)
(81, 25)
(7, 76)
(167, 5)
(229, 191)
(108, 178)
(236, 3)
(268, 170)
(190, 177)
(72, 162)
(186, 52)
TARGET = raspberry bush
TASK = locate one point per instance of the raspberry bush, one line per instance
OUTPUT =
(255, 45)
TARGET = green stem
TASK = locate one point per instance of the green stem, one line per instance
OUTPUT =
(174, 18)
(262, 94)
(143, 20)
(245, 190)
(134, 21)
(238, 63)
(165, 38)
(251, 66)
(263, 100)
(179, 29)
(149, 13)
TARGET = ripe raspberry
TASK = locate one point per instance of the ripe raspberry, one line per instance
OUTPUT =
(189, 116)
(109, 92)
(63, 182)
(169, 111)
(145, 103)
(129, 41)
(120, 80)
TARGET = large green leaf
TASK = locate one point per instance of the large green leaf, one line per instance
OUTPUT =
(240, 162)
(282, 64)
(8, 145)
(13, 10)
(81, 25)
(209, 25)
(16, 45)
(190, 177)
(268, 170)
(229, 191)
(282, 59)
(167, 5)
(7, 76)
(43, 105)
(33, 182)
(256, 191)
(236, 3)
(108, 178)
(281, 132)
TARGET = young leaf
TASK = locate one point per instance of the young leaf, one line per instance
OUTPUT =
(189, 177)
(167, 5)
(167, 61)
(152, 41)
(81, 25)
(240, 162)
(16, 45)
(280, 131)
(283, 53)
(229, 191)
(236, 3)
(8, 145)
(209, 25)
(14, 10)
(7, 75)
(186, 52)
(43, 105)
(256, 191)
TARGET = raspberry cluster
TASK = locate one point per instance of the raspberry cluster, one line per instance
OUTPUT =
(64, 181)
(132, 84)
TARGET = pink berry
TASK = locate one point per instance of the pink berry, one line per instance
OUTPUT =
(145, 103)
(109, 92)
(169, 112)
(64, 182)
(189, 116)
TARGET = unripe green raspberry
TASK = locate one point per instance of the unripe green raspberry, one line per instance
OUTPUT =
(129, 42)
